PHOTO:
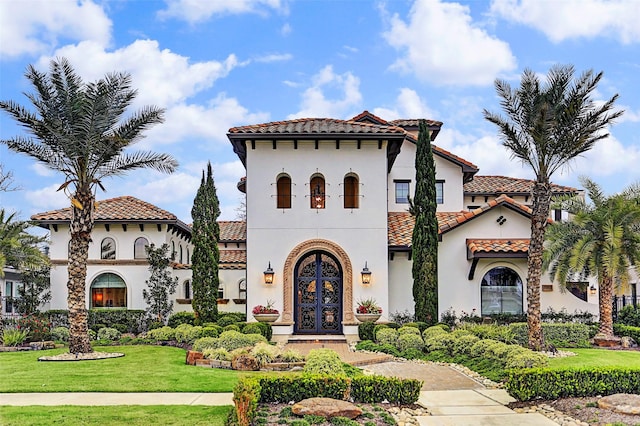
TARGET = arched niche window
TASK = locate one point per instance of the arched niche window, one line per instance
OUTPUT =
(187, 289)
(242, 289)
(108, 248)
(139, 246)
(317, 192)
(172, 255)
(181, 259)
(188, 257)
(108, 291)
(284, 192)
(351, 193)
(501, 292)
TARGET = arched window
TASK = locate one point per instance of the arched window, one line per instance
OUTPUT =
(181, 253)
(501, 292)
(187, 289)
(172, 255)
(284, 192)
(188, 257)
(242, 289)
(317, 192)
(139, 246)
(108, 291)
(221, 291)
(108, 248)
(351, 194)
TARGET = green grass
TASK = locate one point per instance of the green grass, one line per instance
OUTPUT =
(130, 415)
(142, 369)
(598, 358)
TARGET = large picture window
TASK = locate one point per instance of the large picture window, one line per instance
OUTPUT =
(108, 291)
(501, 292)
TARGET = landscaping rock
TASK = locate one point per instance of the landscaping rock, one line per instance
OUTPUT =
(326, 407)
(628, 342)
(605, 341)
(245, 363)
(192, 356)
(621, 402)
(39, 346)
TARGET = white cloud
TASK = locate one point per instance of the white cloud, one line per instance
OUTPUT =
(408, 105)
(34, 27)
(162, 77)
(315, 102)
(42, 170)
(274, 58)
(569, 19)
(286, 30)
(47, 198)
(629, 115)
(194, 11)
(440, 44)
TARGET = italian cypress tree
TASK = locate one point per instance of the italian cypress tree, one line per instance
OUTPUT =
(204, 262)
(425, 232)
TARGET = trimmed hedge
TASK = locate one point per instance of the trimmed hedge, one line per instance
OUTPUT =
(134, 320)
(627, 330)
(548, 383)
(561, 335)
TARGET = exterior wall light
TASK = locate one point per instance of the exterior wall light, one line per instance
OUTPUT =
(592, 290)
(268, 275)
(366, 275)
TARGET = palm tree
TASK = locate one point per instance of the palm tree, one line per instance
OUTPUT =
(603, 239)
(18, 248)
(547, 125)
(79, 129)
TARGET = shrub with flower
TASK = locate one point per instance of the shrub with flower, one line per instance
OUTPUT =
(267, 309)
(368, 306)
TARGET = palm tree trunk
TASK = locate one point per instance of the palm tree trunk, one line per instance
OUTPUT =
(605, 305)
(81, 226)
(541, 204)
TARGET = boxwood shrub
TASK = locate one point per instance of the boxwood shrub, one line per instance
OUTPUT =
(560, 335)
(627, 330)
(181, 318)
(365, 330)
(387, 336)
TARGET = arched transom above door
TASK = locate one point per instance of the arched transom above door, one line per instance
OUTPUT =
(341, 256)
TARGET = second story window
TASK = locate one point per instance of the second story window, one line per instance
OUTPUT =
(402, 191)
(108, 248)
(440, 192)
(351, 195)
(317, 194)
(139, 248)
(181, 254)
(242, 289)
(284, 192)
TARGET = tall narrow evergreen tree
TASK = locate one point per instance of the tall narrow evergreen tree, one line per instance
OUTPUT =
(204, 262)
(425, 233)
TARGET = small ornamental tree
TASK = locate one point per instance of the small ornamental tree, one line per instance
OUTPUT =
(34, 292)
(160, 284)
(204, 262)
(425, 232)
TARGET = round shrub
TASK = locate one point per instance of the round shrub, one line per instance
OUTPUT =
(463, 344)
(291, 355)
(459, 332)
(408, 330)
(377, 328)
(211, 331)
(388, 348)
(480, 347)
(365, 330)
(366, 345)
(186, 333)
(92, 334)
(393, 325)
(204, 343)
(226, 320)
(181, 318)
(229, 327)
(525, 358)
(387, 336)
(443, 342)
(412, 353)
(498, 351)
(122, 328)
(60, 334)
(162, 334)
(251, 328)
(231, 340)
(410, 341)
(265, 353)
(220, 354)
(108, 333)
(266, 330)
(323, 361)
(433, 331)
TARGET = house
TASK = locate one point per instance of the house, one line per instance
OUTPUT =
(10, 281)
(326, 226)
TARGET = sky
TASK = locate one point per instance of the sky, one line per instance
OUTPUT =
(216, 64)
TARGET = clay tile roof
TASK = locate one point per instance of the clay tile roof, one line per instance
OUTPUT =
(477, 246)
(366, 115)
(233, 259)
(495, 185)
(233, 231)
(316, 126)
(454, 158)
(414, 122)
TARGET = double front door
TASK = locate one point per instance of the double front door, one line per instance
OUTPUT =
(318, 294)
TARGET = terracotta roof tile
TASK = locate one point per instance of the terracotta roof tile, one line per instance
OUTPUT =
(233, 256)
(414, 122)
(315, 126)
(496, 185)
(498, 245)
(453, 157)
(233, 231)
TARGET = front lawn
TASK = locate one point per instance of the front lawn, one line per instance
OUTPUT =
(131, 415)
(142, 369)
(597, 358)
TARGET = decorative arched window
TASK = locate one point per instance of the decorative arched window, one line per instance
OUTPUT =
(284, 192)
(108, 291)
(180, 253)
(139, 248)
(187, 289)
(501, 292)
(188, 257)
(172, 255)
(351, 191)
(242, 289)
(108, 248)
(317, 192)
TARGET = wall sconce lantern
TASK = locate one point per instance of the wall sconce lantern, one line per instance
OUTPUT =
(366, 275)
(268, 275)
(592, 290)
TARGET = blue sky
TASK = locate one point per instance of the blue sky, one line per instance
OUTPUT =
(216, 64)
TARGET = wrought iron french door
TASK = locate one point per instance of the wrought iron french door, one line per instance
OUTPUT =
(318, 294)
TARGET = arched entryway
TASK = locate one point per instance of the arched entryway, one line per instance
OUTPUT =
(318, 294)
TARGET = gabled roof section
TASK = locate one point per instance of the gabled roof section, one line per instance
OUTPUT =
(400, 224)
(233, 231)
(124, 209)
(498, 246)
(496, 185)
